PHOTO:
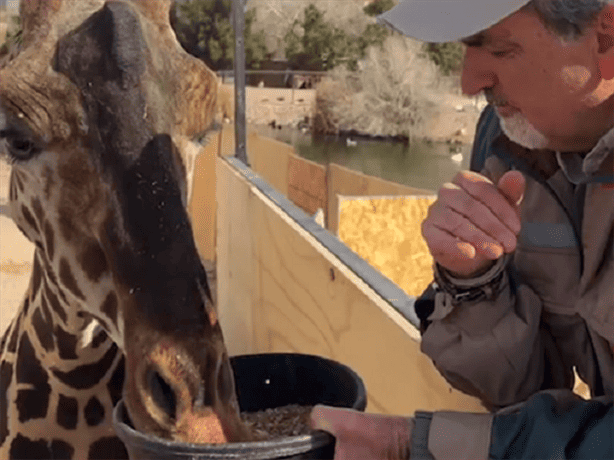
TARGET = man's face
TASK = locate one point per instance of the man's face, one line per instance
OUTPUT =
(544, 88)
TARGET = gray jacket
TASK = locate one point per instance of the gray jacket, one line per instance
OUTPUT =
(554, 308)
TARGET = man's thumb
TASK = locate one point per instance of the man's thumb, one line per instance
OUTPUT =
(512, 185)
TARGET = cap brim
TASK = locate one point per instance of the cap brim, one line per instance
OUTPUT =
(438, 21)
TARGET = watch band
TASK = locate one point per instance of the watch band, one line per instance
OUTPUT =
(486, 286)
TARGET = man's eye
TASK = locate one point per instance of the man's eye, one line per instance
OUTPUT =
(502, 53)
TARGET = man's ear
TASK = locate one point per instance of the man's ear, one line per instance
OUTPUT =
(605, 37)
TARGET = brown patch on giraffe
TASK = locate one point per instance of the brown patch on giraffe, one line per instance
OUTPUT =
(67, 343)
(13, 191)
(55, 303)
(67, 227)
(43, 331)
(105, 448)
(99, 339)
(67, 414)
(93, 261)
(29, 218)
(22, 447)
(46, 312)
(109, 307)
(68, 279)
(88, 375)
(6, 375)
(94, 412)
(31, 403)
(18, 181)
(49, 240)
(49, 182)
(38, 210)
(37, 275)
(116, 382)
(12, 346)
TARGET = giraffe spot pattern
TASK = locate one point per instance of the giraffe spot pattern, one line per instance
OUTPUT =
(18, 181)
(68, 279)
(116, 382)
(6, 374)
(67, 343)
(43, 331)
(109, 307)
(49, 181)
(46, 312)
(31, 403)
(13, 191)
(29, 218)
(22, 447)
(93, 261)
(94, 412)
(36, 276)
(88, 375)
(99, 339)
(67, 414)
(38, 210)
(49, 240)
(12, 346)
(107, 447)
(55, 304)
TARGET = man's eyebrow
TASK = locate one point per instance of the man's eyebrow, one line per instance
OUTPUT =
(474, 40)
(481, 39)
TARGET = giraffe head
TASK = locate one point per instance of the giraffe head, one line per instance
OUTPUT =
(97, 112)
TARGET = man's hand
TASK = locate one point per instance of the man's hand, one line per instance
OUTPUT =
(473, 222)
(361, 436)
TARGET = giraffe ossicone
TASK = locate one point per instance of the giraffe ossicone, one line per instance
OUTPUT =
(97, 113)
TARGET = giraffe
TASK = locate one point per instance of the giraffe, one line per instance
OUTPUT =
(97, 113)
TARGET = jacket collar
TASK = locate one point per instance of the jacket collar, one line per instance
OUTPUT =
(590, 168)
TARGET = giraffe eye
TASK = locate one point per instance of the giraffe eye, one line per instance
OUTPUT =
(19, 146)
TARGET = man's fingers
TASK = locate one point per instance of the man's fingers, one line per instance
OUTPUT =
(512, 185)
(462, 216)
(482, 190)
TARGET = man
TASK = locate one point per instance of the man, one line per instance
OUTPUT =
(524, 249)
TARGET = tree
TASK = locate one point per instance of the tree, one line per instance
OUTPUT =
(448, 56)
(378, 7)
(204, 29)
(315, 44)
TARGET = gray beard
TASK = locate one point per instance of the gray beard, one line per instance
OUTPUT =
(519, 130)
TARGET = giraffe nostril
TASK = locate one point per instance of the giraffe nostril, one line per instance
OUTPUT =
(162, 393)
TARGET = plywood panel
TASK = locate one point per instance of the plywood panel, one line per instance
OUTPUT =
(344, 181)
(202, 207)
(386, 232)
(307, 301)
(236, 272)
(306, 184)
(269, 159)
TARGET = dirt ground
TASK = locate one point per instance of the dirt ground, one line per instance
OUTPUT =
(15, 256)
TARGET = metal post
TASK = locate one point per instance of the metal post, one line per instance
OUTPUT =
(240, 123)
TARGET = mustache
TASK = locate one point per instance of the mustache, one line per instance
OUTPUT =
(493, 99)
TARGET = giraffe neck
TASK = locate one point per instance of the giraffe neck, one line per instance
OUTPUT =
(62, 375)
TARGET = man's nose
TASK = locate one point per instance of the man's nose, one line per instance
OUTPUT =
(476, 74)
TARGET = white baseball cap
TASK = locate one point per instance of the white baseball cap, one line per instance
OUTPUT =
(438, 21)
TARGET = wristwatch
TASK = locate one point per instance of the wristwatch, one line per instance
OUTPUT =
(486, 286)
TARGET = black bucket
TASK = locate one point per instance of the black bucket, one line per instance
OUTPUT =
(262, 382)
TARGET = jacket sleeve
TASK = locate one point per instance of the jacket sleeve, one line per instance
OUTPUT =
(492, 349)
(551, 424)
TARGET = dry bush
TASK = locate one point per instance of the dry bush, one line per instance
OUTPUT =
(387, 97)
(332, 98)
